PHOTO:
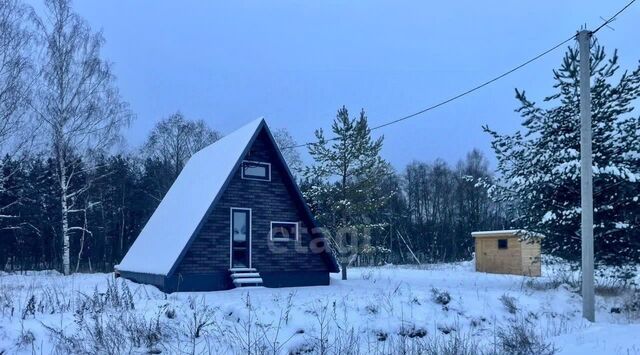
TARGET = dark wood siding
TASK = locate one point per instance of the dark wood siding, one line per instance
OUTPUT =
(273, 200)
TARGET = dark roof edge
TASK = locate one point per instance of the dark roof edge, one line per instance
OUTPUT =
(329, 257)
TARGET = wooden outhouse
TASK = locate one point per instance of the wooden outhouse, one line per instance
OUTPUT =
(506, 252)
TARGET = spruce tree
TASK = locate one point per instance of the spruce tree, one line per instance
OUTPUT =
(348, 172)
(540, 165)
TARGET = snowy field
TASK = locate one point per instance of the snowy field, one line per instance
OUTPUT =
(388, 310)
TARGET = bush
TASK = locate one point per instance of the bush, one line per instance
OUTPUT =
(542, 285)
(105, 332)
(631, 304)
(412, 331)
(170, 313)
(519, 338)
(118, 294)
(200, 319)
(30, 308)
(26, 338)
(509, 302)
(7, 307)
(440, 296)
(454, 344)
(372, 309)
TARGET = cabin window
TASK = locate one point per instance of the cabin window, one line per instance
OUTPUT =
(284, 231)
(503, 244)
(253, 170)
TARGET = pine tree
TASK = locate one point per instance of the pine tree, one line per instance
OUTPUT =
(348, 172)
(540, 165)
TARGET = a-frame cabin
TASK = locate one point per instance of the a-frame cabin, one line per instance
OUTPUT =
(234, 216)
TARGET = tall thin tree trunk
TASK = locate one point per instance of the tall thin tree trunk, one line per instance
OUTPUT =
(82, 240)
(66, 260)
(80, 252)
(122, 206)
(343, 267)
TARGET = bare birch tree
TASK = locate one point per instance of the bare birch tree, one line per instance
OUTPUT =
(16, 77)
(287, 145)
(175, 139)
(169, 146)
(79, 105)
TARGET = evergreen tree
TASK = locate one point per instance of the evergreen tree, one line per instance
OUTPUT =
(348, 169)
(389, 218)
(540, 165)
(11, 201)
(117, 217)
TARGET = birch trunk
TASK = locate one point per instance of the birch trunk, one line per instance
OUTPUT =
(78, 103)
(66, 260)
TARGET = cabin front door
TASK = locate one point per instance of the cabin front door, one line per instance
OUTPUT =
(240, 238)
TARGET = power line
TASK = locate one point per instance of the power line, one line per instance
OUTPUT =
(480, 86)
(612, 17)
(476, 87)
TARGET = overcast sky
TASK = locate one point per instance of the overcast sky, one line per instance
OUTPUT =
(297, 62)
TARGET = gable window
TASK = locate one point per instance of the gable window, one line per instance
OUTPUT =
(254, 170)
(503, 244)
(284, 231)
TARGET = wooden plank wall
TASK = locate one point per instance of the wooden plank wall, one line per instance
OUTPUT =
(531, 263)
(499, 261)
(520, 258)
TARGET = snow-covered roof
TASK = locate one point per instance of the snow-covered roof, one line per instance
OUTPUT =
(506, 233)
(171, 226)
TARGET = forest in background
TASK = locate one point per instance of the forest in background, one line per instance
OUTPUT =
(433, 212)
(70, 200)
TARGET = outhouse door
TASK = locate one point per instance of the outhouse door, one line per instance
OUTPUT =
(240, 238)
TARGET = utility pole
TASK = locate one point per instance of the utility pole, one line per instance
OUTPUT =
(586, 177)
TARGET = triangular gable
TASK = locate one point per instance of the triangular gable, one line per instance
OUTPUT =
(174, 225)
(328, 257)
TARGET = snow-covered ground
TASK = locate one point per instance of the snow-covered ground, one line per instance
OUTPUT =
(380, 310)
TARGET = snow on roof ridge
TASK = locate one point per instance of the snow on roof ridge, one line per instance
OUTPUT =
(168, 231)
(504, 231)
(507, 231)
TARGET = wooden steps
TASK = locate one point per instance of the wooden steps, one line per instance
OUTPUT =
(245, 275)
(242, 269)
(248, 281)
(242, 277)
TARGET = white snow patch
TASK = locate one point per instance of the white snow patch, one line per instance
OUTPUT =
(374, 302)
(549, 216)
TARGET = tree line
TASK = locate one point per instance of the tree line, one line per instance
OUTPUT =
(119, 192)
(70, 200)
(430, 209)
